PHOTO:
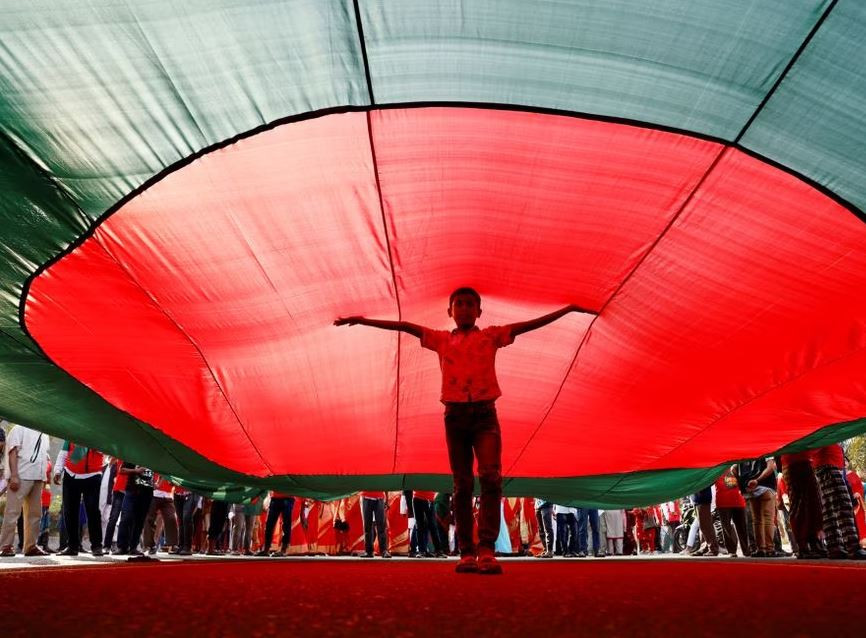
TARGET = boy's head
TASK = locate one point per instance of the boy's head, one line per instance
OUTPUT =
(464, 306)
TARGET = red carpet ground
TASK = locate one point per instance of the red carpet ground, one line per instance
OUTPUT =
(402, 598)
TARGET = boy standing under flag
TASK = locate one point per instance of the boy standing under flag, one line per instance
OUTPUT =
(469, 391)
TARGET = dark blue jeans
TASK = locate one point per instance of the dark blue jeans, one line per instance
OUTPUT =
(136, 502)
(587, 518)
(472, 432)
(374, 508)
(279, 507)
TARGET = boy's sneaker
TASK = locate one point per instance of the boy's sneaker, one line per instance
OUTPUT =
(467, 565)
(487, 564)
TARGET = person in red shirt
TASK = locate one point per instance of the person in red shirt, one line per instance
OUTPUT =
(80, 469)
(731, 506)
(840, 529)
(469, 392)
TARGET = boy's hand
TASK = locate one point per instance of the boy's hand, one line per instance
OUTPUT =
(348, 321)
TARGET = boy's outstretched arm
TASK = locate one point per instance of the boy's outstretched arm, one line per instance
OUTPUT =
(538, 322)
(402, 326)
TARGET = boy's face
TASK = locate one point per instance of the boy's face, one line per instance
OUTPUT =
(464, 309)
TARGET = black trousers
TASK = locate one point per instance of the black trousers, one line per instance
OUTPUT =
(74, 489)
(219, 513)
(374, 508)
(279, 507)
(184, 505)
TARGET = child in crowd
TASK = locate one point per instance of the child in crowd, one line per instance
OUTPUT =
(469, 391)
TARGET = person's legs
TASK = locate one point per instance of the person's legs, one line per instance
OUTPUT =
(459, 440)
(126, 522)
(705, 520)
(218, 514)
(271, 523)
(148, 542)
(561, 534)
(90, 491)
(381, 532)
(768, 515)
(286, 513)
(579, 546)
(14, 506)
(692, 540)
(188, 525)
(738, 514)
(249, 521)
(487, 444)
(728, 534)
(169, 520)
(368, 506)
(71, 498)
(421, 508)
(44, 525)
(32, 513)
(572, 527)
(238, 527)
(113, 516)
(141, 505)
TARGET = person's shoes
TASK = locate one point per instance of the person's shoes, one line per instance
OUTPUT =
(441, 555)
(263, 552)
(97, 552)
(7, 551)
(69, 552)
(278, 554)
(858, 554)
(467, 565)
(488, 565)
(413, 554)
(569, 555)
(581, 554)
(35, 551)
(837, 555)
(386, 555)
(547, 554)
(429, 555)
(367, 555)
(712, 552)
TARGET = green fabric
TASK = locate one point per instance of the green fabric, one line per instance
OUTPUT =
(815, 123)
(698, 65)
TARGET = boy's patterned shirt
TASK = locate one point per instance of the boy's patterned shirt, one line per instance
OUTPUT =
(467, 361)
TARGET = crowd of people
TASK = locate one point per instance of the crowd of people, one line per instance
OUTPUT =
(806, 501)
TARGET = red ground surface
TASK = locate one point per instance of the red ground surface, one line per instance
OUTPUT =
(426, 598)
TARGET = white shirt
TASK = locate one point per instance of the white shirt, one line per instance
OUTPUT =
(32, 453)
